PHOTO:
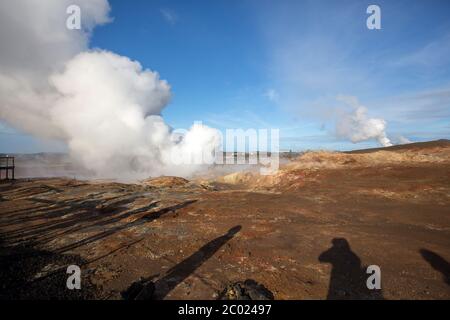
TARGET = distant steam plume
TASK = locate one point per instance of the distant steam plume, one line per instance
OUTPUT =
(106, 107)
(357, 126)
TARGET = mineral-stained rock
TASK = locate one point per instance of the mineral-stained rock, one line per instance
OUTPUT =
(165, 181)
(247, 290)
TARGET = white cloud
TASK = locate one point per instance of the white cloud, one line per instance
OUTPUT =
(425, 105)
(272, 95)
(436, 53)
(169, 15)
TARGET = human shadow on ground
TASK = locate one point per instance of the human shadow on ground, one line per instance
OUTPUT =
(146, 289)
(437, 263)
(348, 278)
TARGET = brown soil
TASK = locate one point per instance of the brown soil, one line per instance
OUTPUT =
(307, 232)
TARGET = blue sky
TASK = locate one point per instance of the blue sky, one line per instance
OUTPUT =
(281, 64)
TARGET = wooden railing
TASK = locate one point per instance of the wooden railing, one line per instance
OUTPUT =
(7, 165)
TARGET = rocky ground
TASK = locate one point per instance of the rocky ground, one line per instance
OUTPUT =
(307, 232)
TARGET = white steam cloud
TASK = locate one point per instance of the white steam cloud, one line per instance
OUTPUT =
(106, 107)
(403, 140)
(357, 126)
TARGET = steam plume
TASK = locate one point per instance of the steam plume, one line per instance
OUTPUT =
(357, 126)
(106, 107)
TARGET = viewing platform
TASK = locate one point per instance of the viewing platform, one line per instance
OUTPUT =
(7, 165)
